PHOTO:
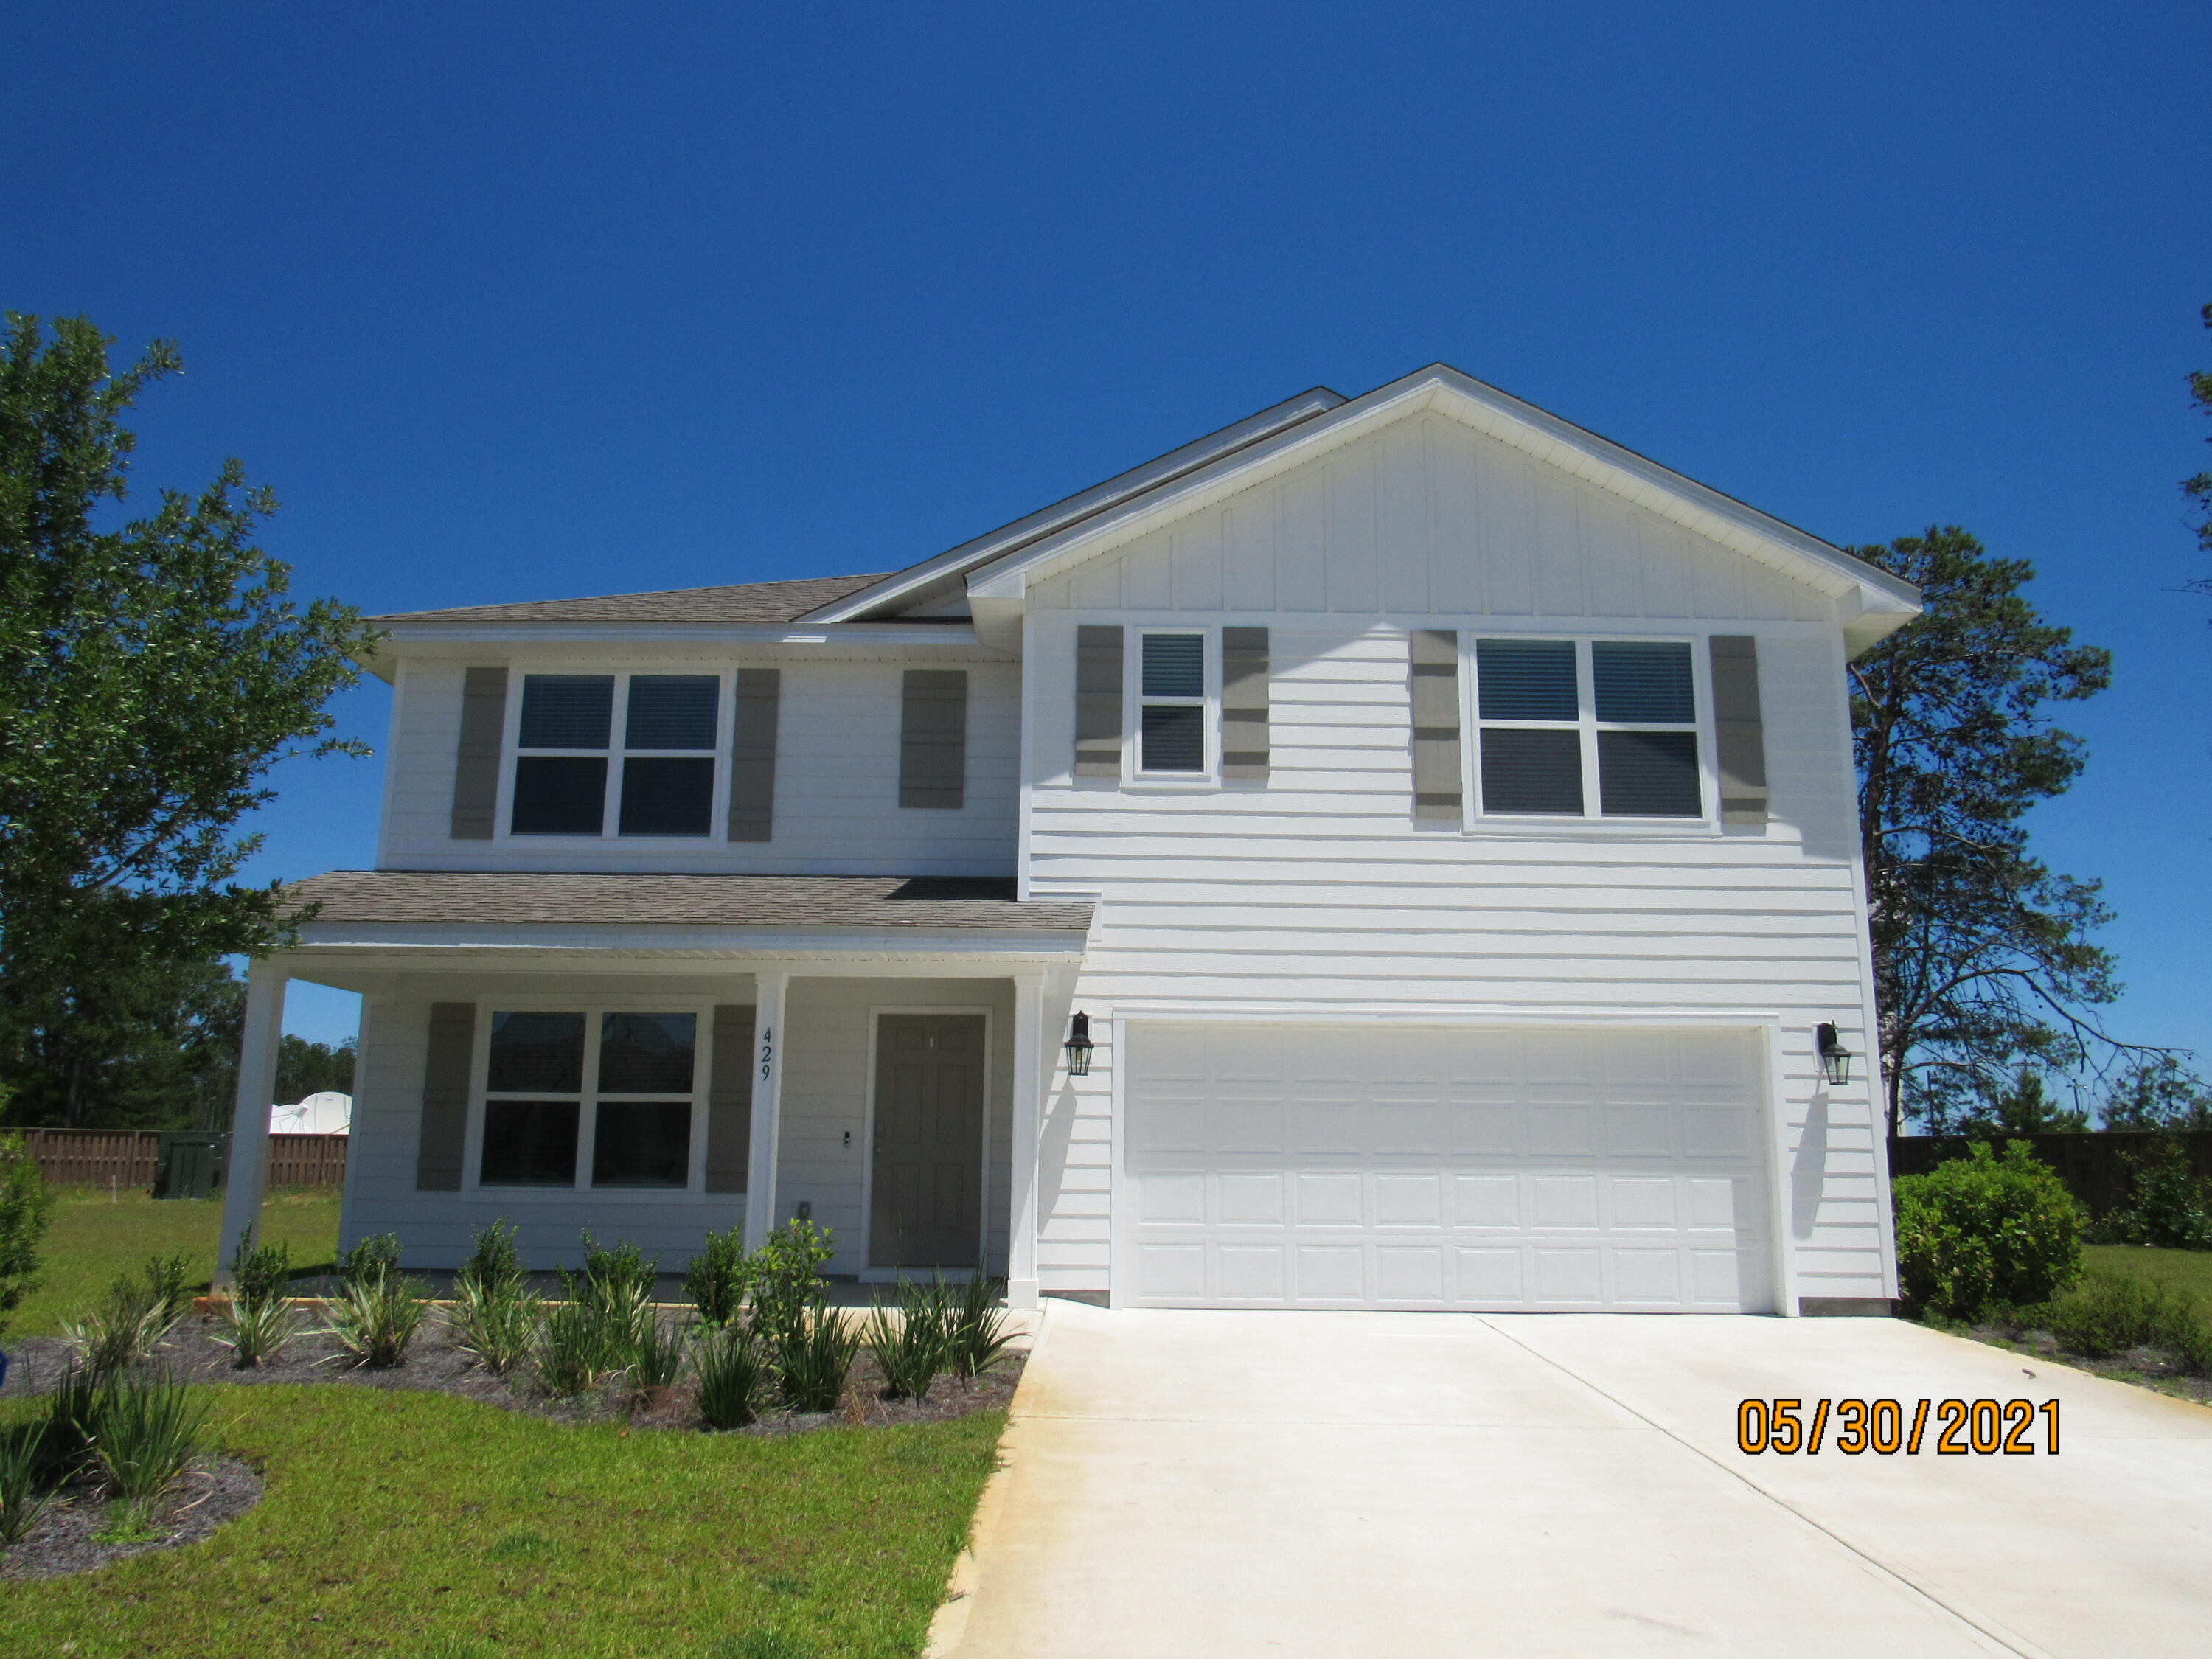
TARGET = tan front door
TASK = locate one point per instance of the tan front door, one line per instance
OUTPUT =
(926, 1189)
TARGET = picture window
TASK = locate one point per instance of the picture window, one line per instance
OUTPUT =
(632, 1128)
(1548, 713)
(662, 777)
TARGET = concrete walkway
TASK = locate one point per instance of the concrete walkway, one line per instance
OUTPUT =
(1209, 1486)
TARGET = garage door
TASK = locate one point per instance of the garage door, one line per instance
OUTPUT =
(1282, 1166)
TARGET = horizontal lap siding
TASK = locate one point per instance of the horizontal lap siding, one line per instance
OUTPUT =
(1320, 890)
(836, 789)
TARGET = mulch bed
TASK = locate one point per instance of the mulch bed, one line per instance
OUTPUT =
(192, 1354)
(214, 1490)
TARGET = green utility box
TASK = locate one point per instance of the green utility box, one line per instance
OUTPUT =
(192, 1164)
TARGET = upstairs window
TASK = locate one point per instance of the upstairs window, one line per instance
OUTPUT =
(1171, 722)
(1591, 728)
(571, 778)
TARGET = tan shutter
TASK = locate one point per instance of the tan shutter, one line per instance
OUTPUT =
(453, 1050)
(1742, 740)
(934, 738)
(1098, 701)
(1244, 703)
(752, 755)
(1437, 789)
(730, 1099)
(476, 770)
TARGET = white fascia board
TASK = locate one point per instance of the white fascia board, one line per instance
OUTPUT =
(457, 640)
(904, 584)
(1598, 461)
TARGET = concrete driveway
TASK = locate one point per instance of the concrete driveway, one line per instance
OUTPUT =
(1207, 1485)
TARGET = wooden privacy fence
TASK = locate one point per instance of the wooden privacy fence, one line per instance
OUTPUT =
(2088, 1163)
(125, 1157)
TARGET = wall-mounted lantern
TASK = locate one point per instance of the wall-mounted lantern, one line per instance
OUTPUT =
(1079, 1046)
(1835, 1059)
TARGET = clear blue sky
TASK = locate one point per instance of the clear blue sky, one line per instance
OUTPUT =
(516, 302)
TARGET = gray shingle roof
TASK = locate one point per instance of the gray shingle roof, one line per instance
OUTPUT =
(746, 602)
(623, 898)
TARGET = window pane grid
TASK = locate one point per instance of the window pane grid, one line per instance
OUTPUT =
(1171, 716)
(639, 1134)
(572, 776)
(1587, 729)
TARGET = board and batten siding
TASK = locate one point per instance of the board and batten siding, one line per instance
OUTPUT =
(837, 807)
(826, 1046)
(1322, 889)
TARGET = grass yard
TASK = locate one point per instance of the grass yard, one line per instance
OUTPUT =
(425, 1526)
(2175, 1270)
(93, 1240)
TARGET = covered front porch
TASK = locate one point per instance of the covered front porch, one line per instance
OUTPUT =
(642, 1056)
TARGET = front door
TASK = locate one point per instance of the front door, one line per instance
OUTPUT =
(926, 1199)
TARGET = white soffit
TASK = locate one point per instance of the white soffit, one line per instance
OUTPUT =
(1881, 601)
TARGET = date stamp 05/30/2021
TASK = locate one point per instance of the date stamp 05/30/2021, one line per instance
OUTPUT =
(2010, 1428)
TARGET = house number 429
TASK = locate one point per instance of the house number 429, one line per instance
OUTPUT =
(768, 1052)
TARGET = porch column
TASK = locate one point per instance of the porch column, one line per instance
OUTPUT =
(246, 1174)
(1032, 1082)
(767, 1086)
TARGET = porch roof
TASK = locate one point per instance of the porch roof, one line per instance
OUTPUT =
(933, 904)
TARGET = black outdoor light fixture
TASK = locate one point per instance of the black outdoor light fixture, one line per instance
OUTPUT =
(1079, 1046)
(1835, 1059)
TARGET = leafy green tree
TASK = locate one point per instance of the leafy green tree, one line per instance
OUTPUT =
(1983, 955)
(26, 1205)
(152, 670)
(305, 1069)
(2157, 1092)
(2199, 490)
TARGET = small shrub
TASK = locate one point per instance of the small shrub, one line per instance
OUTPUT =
(787, 1285)
(571, 1348)
(813, 1360)
(979, 1329)
(732, 1373)
(169, 1287)
(2188, 1338)
(373, 1260)
(259, 1273)
(258, 1328)
(128, 1325)
(494, 1260)
(909, 1351)
(145, 1432)
(376, 1318)
(495, 1319)
(65, 1431)
(716, 1281)
(2169, 1204)
(24, 1493)
(26, 1207)
(1986, 1230)
(2107, 1314)
(656, 1354)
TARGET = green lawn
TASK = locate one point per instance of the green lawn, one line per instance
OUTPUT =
(422, 1526)
(91, 1240)
(2177, 1270)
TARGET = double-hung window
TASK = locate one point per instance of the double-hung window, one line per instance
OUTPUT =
(589, 1099)
(1174, 739)
(1587, 728)
(573, 775)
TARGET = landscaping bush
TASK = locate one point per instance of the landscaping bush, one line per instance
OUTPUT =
(2169, 1204)
(1984, 1230)
(571, 1348)
(978, 1332)
(719, 1276)
(145, 1432)
(24, 1493)
(732, 1373)
(132, 1319)
(259, 1273)
(494, 1260)
(787, 1284)
(656, 1356)
(375, 1258)
(258, 1328)
(813, 1358)
(375, 1318)
(26, 1207)
(65, 1430)
(495, 1315)
(2107, 1314)
(910, 1350)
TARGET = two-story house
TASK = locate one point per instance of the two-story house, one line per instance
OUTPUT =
(1437, 820)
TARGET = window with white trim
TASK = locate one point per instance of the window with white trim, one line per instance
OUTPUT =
(1174, 739)
(630, 1128)
(574, 777)
(1587, 729)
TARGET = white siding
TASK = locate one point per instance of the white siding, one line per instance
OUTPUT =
(826, 1047)
(836, 787)
(1319, 891)
(1424, 517)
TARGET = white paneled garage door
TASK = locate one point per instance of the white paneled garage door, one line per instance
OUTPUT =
(1289, 1166)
